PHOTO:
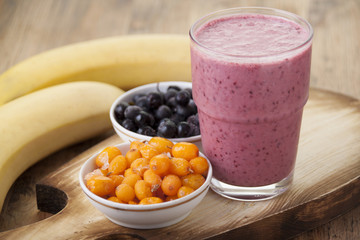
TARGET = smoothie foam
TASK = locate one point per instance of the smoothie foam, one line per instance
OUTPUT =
(250, 90)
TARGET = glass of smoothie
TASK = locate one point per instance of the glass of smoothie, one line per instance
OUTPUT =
(250, 73)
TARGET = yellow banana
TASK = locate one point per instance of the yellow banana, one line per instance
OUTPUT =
(125, 61)
(35, 125)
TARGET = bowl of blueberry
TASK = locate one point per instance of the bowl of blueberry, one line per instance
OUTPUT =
(164, 109)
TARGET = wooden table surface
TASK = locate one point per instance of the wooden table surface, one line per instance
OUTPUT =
(28, 27)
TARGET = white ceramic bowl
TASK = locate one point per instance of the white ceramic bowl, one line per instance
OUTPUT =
(127, 135)
(143, 216)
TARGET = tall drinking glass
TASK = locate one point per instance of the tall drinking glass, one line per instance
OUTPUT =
(250, 72)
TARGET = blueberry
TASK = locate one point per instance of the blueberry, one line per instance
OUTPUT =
(167, 129)
(163, 120)
(163, 112)
(173, 87)
(192, 106)
(176, 118)
(143, 103)
(144, 119)
(182, 97)
(131, 112)
(195, 130)
(129, 125)
(137, 96)
(171, 102)
(119, 111)
(169, 94)
(189, 90)
(183, 130)
(194, 119)
(183, 110)
(155, 100)
(147, 130)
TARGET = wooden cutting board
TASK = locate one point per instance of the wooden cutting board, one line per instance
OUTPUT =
(326, 185)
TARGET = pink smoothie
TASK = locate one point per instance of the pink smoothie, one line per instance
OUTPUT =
(250, 90)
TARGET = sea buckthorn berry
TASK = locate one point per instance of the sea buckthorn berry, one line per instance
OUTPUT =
(129, 171)
(117, 165)
(179, 166)
(160, 164)
(163, 145)
(132, 179)
(142, 190)
(100, 185)
(134, 202)
(114, 199)
(150, 200)
(105, 172)
(183, 191)
(102, 161)
(132, 155)
(117, 179)
(140, 165)
(171, 198)
(148, 151)
(185, 150)
(193, 180)
(153, 179)
(106, 155)
(171, 184)
(159, 193)
(199, 165)
(96, 172)
(136, 144)
(125, 193)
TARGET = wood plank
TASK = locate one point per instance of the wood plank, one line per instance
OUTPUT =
(326, 184)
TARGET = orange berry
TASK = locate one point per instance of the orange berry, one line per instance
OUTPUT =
(179, 166)
(100, 185)
(105, 172)
(163, 145)
(185, 150)
(132, 155)
(132, 179)
(160, 164)
(159, 193)
(96, 172)
(140, 165)
(193, 180)
(171, 184)
(150, 200)
(136, 144)
(106, 155)
(183, 191)
(125, 193)
(170, 198)
(117, 179)
(199, 165)
(128, 172)
(142, 190)
(118, 165)
(134, 202)
(114, 199)
(148, 151)
(153, 179)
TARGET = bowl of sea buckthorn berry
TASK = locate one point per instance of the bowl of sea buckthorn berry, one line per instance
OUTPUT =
(146, 184)
(164, 109)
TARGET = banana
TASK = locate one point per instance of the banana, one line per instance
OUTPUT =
(125, 61)
(37, 124)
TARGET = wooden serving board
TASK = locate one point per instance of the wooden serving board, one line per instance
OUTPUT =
(326, 185)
